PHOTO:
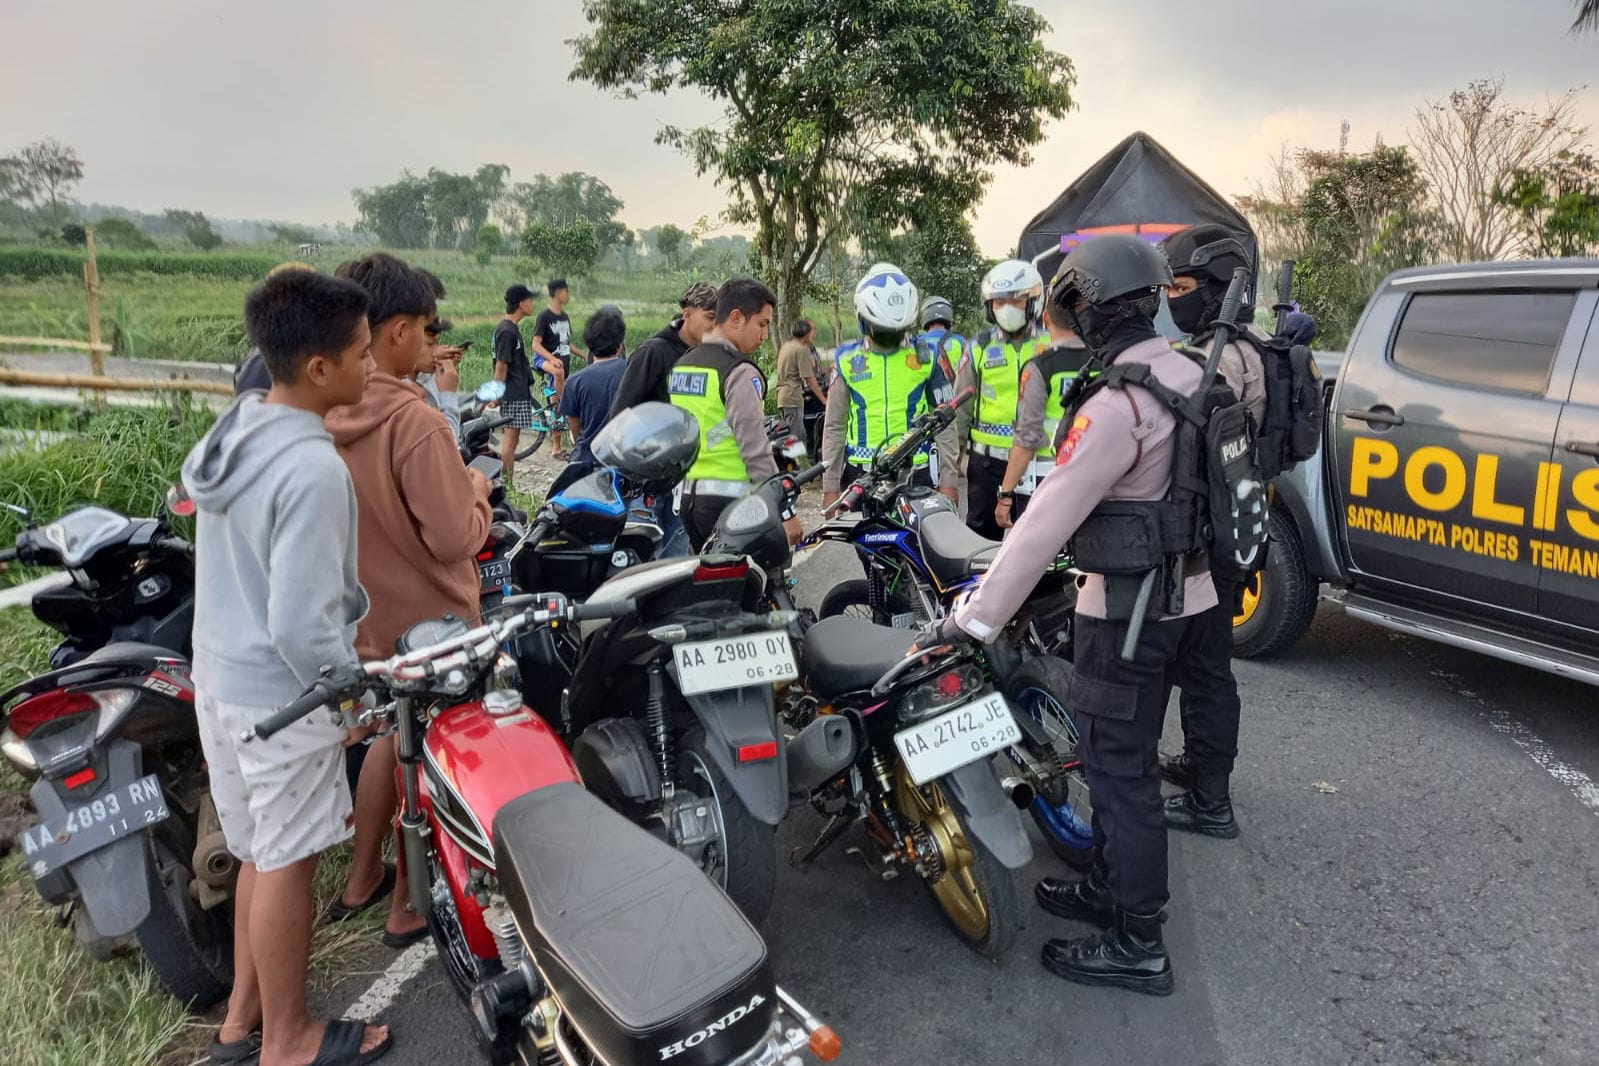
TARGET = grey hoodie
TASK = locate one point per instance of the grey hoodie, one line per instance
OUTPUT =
(276, 592)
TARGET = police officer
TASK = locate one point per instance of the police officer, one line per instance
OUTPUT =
(719, 384)
(1039, 407)
(1203, 259)
(881, 384)
(1012, 295)
(1117, 446)
(938, 338)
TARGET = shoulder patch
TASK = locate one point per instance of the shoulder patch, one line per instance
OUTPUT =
(1074, 437)
(759, 386)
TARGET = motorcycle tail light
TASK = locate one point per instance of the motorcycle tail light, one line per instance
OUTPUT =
(30, 714)
(485, 555)
(949, 685)
(757, 752)
(722, 572)
(81, 778)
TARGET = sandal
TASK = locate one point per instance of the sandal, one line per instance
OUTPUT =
(244, 1052)
(341, 1045)
(404, 940)
(339, 911)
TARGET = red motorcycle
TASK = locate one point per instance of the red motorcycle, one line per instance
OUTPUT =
(546, 906)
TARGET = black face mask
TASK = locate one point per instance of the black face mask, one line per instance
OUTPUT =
(1109, 333)
(1192, 312)
(887, 341)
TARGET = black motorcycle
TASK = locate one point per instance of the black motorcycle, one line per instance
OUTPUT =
(128, 843)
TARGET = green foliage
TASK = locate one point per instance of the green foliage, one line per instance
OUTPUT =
(120, 233)
(31, 263)
(841, 117)
(490, 241)
(74, 234)
(942, 259)
(196, 228)
(41, 173)
(290, 234)
(1556, 206)
(569, 250)
(669, 240)
(560, 201)
(440, 210)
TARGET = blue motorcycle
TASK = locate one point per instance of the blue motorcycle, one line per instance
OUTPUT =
(919, 558)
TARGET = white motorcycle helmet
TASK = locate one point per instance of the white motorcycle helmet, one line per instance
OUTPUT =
(886, 301)
(1013, 277)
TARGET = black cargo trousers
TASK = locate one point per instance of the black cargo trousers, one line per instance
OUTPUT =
(1120, 708)
(1209, 705)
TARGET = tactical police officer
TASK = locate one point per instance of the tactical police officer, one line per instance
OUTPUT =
(719, 384)
(1112, 494)
(1012, 296)
(1039, 407)
(881, 384)
(1203, 259)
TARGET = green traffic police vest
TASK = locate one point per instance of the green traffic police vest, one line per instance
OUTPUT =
(699, 386)
(887, 390)
(998, 366)
(1060, 367)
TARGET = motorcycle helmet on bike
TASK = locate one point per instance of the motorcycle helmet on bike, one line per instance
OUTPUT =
(651, 443)
(1105, 282)
(885, 304)
(1012, 278)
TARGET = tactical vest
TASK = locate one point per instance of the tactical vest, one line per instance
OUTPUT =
(886, 393)
(1214, 510)
(998, 364)
(1060, 367)
(1290, 427)
(698, 384)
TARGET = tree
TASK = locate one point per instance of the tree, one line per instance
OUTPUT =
(570, 249)
(1471, 144)
(43, 171)
(489, 242)
(74, 234)
(120, 233)
(669, 241)
(1556, 206)
(288, 234)
(1587, 16)
(943, 260)
(196, 228)
(872, 116)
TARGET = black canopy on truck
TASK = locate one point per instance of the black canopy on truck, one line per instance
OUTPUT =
(1138, 187)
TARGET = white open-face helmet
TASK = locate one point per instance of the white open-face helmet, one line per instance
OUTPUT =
(1013, 277)
(886, 299)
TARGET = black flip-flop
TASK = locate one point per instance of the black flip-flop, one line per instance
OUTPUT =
(246, 1052)
(341, 1045)
(404, 940)
(339, 911)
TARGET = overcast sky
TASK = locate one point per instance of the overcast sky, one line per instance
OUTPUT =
(277, 110)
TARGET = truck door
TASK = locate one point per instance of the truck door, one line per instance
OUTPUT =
(1566, 537)
(1443, 425)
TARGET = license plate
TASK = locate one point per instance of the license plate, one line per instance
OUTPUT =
(903, 621)
(735, 662)
(974, 731)
(91, 826)
(494, 573)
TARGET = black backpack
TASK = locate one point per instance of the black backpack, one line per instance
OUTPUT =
(1291, 425)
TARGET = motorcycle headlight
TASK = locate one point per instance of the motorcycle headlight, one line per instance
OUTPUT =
(748, 515)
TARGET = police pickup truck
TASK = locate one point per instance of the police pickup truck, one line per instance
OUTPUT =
(1456, 493)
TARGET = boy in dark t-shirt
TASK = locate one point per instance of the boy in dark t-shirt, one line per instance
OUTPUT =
(552, 346)
(511, 367)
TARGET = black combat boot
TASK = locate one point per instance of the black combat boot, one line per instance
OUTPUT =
(1088, 900)
(1208, 809)
(1131, 956)
(1177, 769)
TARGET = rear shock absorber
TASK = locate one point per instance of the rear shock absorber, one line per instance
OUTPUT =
(655, 718)
(497, 916)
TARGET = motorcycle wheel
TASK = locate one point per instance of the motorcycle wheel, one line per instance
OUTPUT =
(976, 893)
(1038, 689)
(853, 599)
(744, 862)
(190, 949)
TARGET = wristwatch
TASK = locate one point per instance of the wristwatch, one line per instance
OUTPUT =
(1006, 494)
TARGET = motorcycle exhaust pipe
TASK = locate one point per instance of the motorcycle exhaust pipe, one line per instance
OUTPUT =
(821, 751)
(1021, 793)
(214, 864)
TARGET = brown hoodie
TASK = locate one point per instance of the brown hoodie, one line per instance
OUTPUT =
(421, 523)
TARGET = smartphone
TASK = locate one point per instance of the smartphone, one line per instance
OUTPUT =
(464, 345)
(486, 465)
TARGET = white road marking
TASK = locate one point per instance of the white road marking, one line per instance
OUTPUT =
(383, 991)
(1581, 785)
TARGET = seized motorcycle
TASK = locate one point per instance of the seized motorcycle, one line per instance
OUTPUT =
(545, 905)
(916, 734)
(128, 843)
(788, 450)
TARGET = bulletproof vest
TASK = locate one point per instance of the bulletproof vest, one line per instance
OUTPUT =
(886, 393)
(998, 365)
(698, 384)
(1290, 429)
(1214, 511)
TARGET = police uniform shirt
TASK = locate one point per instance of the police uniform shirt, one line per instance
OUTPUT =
(1240, 367)
(1118, 445)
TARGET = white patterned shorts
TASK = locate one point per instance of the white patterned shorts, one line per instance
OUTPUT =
(281, 799)
(521, 412)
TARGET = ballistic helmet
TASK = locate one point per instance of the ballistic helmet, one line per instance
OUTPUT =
(937, 309)
(1207, 251)
(1106, 281)
(885, 300)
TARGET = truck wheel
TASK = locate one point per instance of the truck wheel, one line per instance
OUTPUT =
(1280, 601)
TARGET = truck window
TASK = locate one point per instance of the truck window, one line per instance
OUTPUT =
(1487, 340)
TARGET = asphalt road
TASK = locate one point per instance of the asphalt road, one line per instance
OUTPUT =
(1411, 887)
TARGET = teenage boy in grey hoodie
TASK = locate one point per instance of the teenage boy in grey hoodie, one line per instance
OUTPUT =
(276, 599)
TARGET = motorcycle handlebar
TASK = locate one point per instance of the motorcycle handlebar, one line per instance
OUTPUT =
(175, 545)
(805, 477)
(327, 690)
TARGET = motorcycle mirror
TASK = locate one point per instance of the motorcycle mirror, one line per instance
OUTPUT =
(178, 501)
(490, 390)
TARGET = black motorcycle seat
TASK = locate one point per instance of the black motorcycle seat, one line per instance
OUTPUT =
(845, 654)
(128, 651)
(639, 946)
(953, 550)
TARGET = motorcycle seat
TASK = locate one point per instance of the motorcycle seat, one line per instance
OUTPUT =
(639, 946)
(954, 551)
(845, 654)
(128, 651)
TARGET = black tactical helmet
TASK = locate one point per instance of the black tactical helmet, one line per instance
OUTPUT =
(1208, 251)
(1115, 268)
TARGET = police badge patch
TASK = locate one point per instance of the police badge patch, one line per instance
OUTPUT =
(1074, 437)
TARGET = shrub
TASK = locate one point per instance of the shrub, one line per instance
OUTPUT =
(31, 264)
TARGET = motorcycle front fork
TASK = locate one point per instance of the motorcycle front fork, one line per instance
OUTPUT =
(413, 823)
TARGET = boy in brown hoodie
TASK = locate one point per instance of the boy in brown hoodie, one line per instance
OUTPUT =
(423, 517)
